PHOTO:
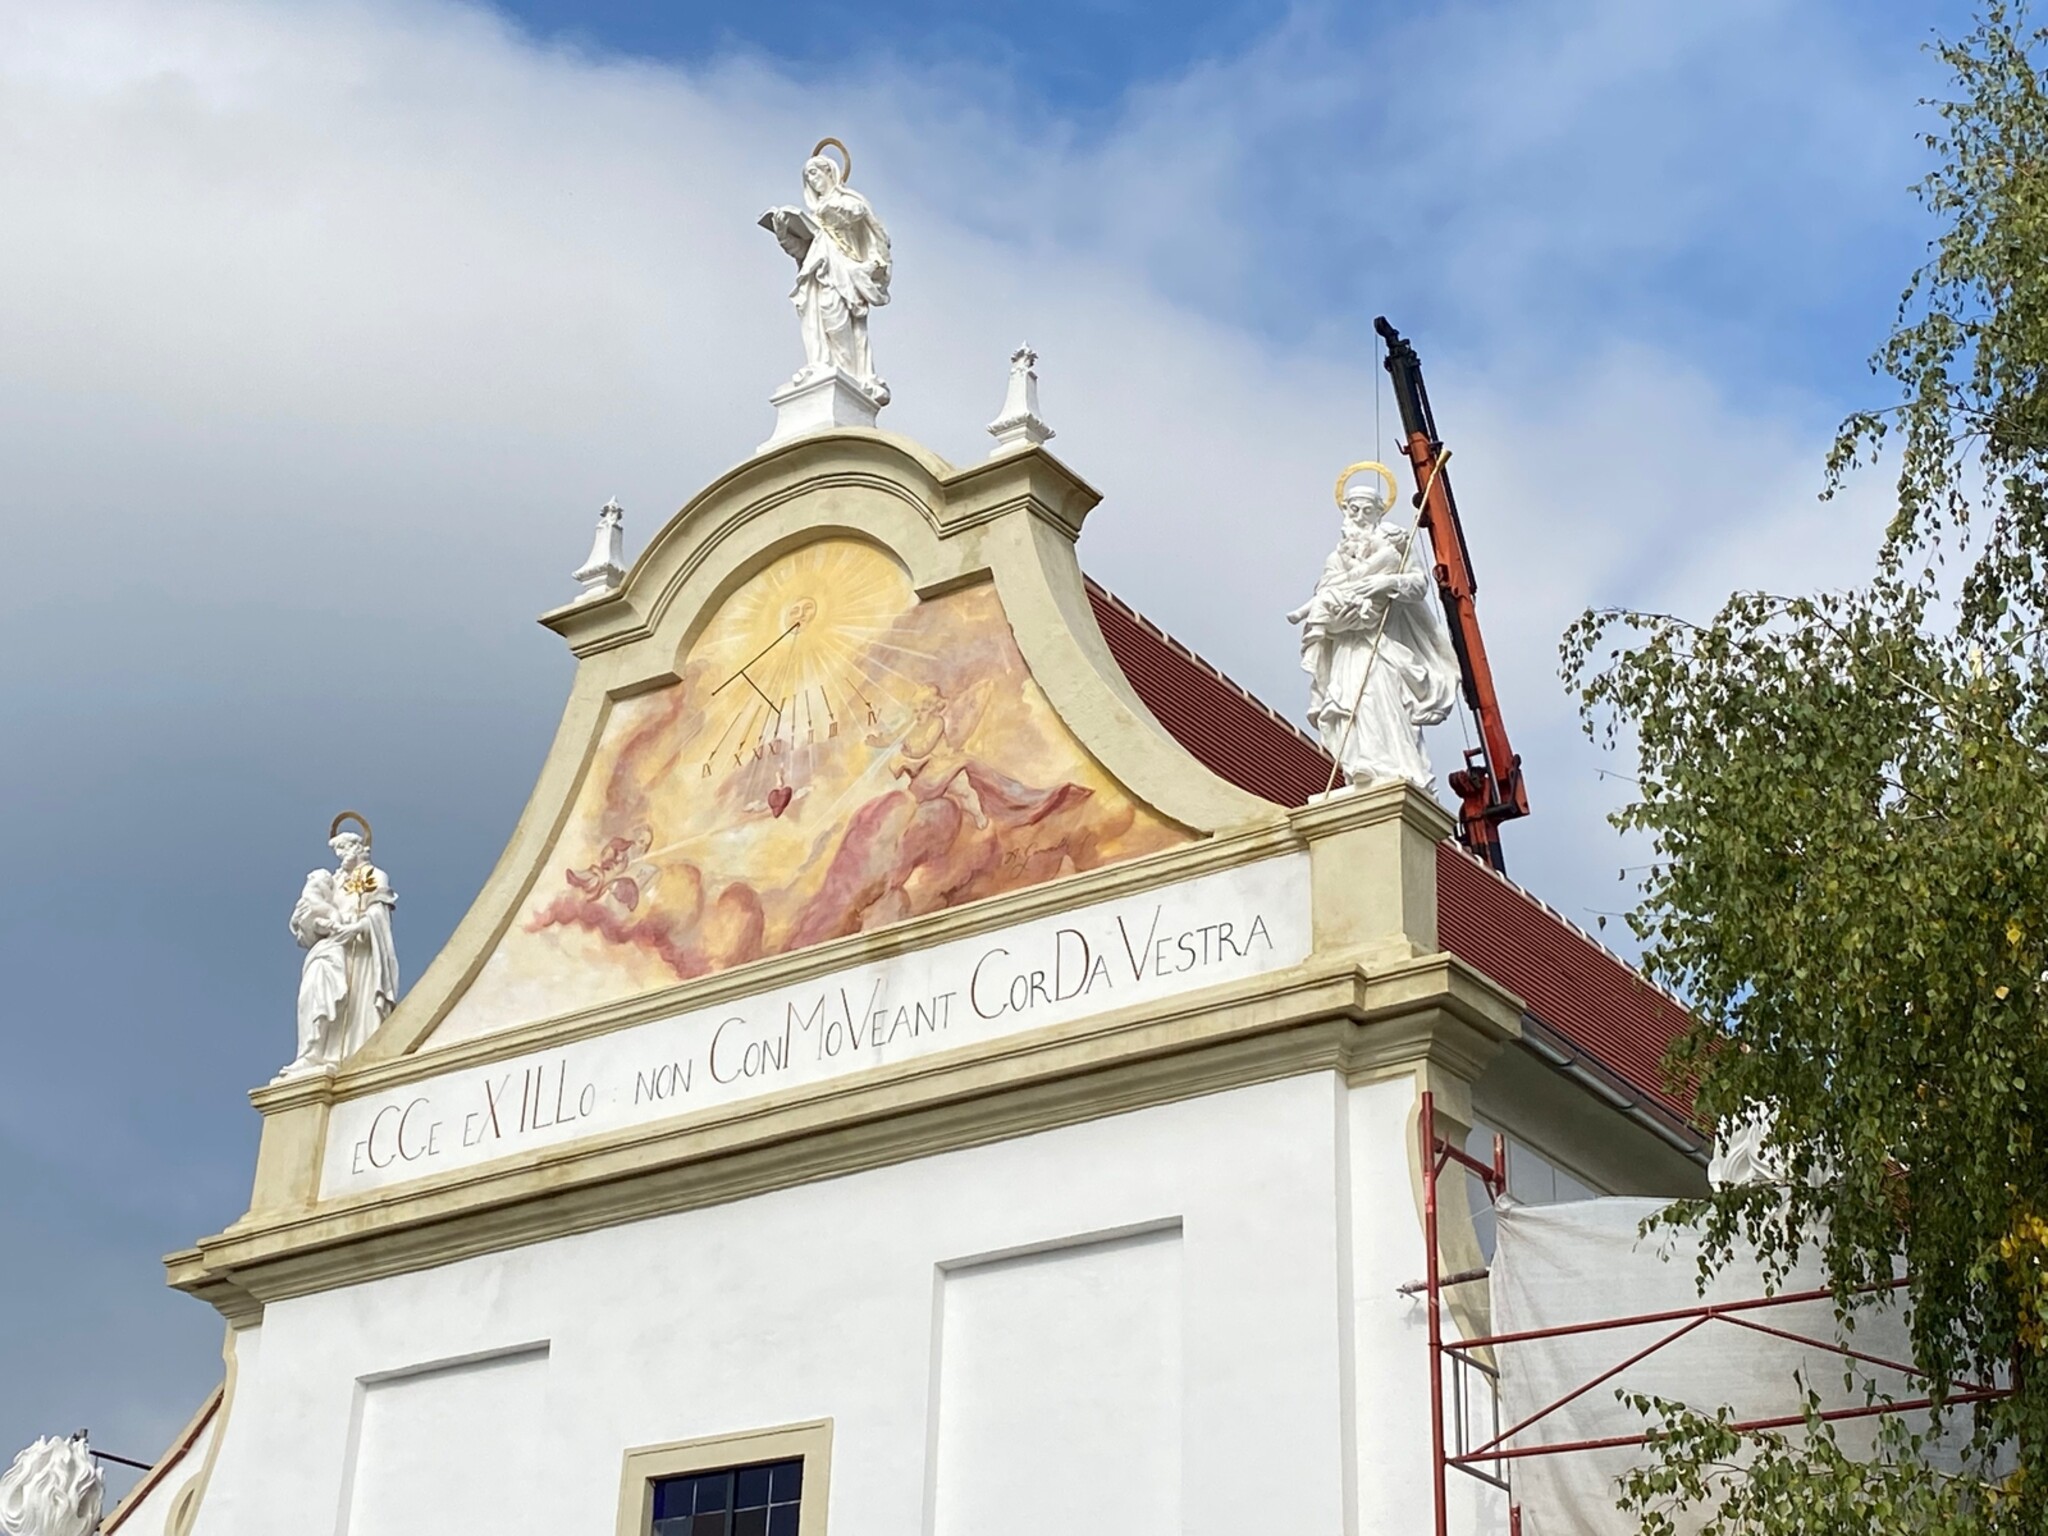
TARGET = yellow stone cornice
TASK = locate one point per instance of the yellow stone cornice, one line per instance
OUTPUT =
(1431, 1012)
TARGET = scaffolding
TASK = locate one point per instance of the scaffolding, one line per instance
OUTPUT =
(1461, 1376)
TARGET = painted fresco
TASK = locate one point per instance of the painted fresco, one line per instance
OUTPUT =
(837, 756)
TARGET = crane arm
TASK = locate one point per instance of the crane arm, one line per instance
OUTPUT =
(1489, 787)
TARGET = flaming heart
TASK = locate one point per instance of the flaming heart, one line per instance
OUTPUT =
(779, 798)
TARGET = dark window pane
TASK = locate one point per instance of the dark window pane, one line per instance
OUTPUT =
(672, 1496)
(760, 1500)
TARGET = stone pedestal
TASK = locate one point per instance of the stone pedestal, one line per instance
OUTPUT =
(818, 402)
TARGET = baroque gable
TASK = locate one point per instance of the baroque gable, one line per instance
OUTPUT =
(837, 755)
(846, 688)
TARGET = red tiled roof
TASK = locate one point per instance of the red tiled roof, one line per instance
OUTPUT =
(1228, 731)
(1588, 997)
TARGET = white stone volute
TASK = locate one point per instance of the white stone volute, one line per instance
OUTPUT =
(54, 1488)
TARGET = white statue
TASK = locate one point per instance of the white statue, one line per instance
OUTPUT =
(1746, 1152)
(53, 1489)
(842, 270)
(1743, 1154)
(349, 979)
(1374, 644)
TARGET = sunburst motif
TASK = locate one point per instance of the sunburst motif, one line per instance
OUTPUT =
(800, 653)
(753, 807)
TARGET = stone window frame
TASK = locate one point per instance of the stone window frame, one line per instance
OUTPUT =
(646, 1465)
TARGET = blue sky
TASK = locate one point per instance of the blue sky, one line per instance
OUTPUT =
(1073, 62)
(324, 331)
(1742, 152)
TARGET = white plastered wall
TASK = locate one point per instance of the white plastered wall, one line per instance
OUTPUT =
(157, 1511)
(1276, 1220)
(1390, 1450)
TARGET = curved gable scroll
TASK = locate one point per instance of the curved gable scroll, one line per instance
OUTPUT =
(845, 687)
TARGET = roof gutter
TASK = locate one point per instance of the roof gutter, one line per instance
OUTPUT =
(1561, 1056)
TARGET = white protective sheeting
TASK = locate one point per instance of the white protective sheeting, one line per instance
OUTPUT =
(1582, 1262)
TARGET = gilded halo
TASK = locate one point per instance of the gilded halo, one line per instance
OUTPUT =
(845, 158)
(1386, 474)
(334, 826)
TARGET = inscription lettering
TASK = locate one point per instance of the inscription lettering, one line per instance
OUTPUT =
(1209, 930)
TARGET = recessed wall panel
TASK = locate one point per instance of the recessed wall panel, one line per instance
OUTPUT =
(453, 1447)
(1059, 1392)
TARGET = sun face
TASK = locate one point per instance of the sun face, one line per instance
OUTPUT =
(800, 657)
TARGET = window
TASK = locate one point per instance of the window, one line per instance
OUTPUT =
(760, 1482)
(761, 1500)
(1533, 1179)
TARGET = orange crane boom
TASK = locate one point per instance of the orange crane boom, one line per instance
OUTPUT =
(1489, 787)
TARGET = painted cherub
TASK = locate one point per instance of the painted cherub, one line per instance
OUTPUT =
(617, 872)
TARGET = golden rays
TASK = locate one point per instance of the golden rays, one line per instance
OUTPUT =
(800, 654)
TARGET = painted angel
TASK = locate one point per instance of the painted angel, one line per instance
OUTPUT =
(932, 759)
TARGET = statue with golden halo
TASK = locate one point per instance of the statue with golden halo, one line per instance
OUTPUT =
(1373, 642)
(841, 252)
(348, 981)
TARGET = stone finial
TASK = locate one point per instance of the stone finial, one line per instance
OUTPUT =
(1019, 425)
(606, 567)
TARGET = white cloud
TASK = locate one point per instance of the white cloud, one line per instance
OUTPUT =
(325, 329)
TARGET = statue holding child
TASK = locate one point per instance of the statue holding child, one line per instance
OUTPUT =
(348, 982)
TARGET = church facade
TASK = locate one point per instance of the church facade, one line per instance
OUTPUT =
(928, 1059)
(934, 1056)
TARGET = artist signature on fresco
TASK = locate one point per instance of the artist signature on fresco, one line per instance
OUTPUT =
(1020, 858)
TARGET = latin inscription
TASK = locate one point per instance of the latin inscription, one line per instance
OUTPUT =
(1201, 932)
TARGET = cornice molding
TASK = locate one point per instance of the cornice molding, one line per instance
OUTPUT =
(1351, 810)
(1327, 1015)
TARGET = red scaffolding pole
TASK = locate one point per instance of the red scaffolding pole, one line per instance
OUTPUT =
(1460, 1359)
